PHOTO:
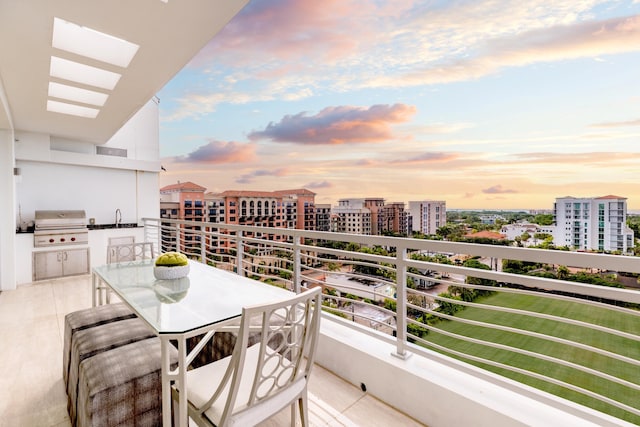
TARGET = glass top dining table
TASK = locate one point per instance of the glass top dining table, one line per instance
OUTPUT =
(206, 296)
(204, 301)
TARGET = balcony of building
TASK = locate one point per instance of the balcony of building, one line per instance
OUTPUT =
(528, 350)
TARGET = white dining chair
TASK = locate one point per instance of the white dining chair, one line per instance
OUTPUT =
(256, 382)
(130, 252)
(123, 252)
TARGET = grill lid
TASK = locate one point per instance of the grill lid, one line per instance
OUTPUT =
(60, 219)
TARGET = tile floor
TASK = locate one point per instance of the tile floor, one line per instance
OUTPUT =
(32, 393)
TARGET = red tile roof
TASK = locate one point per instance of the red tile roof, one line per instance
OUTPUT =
(278, 193)
(487, 235)
(610, 196)
(183, 186)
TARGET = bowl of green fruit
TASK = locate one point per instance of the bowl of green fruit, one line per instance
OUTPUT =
(171, 265)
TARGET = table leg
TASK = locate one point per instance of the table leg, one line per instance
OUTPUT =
(182, 382)
(94, 286)
(179, 377)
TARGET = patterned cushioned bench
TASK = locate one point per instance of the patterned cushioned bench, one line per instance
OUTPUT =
(92, 341)
(88, 318)
(122, 386)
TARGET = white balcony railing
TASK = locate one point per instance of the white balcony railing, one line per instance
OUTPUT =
(576, 340)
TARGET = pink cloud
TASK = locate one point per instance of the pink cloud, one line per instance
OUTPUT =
(220, 152)
(251, 177)
(560, 42)
(338, 125)
(498, 189)
(302, 28)
(430, 157)
(617, 124)
(593, 158)
(318, 185)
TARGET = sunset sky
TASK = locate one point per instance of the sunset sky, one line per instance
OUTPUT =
(484, 104)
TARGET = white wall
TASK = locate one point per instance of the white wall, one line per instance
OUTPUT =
(64, 174)
(98, 191)
(441, 392)
(140, 135)
(58, 173)
(7, 212)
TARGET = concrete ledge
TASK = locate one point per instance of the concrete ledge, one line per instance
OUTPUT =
(440, 391)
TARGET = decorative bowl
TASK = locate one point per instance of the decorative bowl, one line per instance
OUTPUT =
(167, 273)
(171, 291)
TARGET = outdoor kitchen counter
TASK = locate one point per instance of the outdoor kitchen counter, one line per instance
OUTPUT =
(98, 242)
(110, 226)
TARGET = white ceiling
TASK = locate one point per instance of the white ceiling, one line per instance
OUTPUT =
(169, 35)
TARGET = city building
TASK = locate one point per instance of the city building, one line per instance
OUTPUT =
(323, 217)
(375, 204)
(184, 200)
(394, 219)
(520, 229)
(427, 216)
(352, 216)
(593, 223)
(491, 219)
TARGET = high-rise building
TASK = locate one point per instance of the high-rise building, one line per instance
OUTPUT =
(323, 217)
(352, 216)
(375, 204)
(597, 223)
(393, 218)
(185, 201)
(427, 216)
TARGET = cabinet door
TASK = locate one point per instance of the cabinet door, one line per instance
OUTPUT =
(47, 265)
(75, 261)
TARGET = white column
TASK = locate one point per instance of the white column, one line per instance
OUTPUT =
(7, 211)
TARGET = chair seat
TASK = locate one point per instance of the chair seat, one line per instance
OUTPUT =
(89, 318)
(90, 342)
(122, 387)
(202, 382)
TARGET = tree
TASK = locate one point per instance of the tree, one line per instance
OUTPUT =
(543, 219)
(562, 272)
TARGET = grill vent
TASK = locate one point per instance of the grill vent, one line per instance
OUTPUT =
(110, 151)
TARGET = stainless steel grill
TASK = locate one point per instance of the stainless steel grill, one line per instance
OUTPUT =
(61, 227)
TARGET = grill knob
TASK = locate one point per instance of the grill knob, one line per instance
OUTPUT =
(51, 240)
(73, 239)
(62, 239)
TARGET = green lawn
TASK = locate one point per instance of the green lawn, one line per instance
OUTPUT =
(583, 312)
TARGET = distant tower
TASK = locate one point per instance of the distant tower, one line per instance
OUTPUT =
(427, 216)
(598, 223)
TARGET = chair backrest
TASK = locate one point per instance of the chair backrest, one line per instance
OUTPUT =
(289, 337)
(130, 252)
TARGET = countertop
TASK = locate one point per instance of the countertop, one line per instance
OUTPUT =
(30, 230)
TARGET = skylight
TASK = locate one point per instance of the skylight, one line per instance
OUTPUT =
(74, 110)
(88, 43)
(92, 44)
(72, 93)
(81, 73)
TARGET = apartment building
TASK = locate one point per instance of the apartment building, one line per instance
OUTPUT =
(323, 217)
(352, 216)
(596, 223)
(393, 218)
(375, 205)
(184, 200)
(427, 216)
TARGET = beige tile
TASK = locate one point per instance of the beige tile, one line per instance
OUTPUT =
(332, 389)
(32, 394)
(378, 414)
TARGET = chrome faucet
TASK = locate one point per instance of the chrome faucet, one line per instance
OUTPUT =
(118, 217)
